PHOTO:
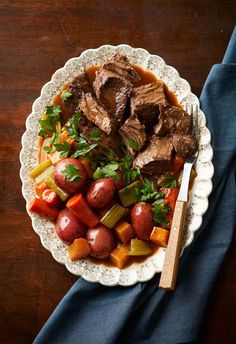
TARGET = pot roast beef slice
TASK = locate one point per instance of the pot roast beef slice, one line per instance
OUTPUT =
(106, 141)
(133, 129)
(120, 65)
(78, 87)
(172, 120)
(184, 145)
(156, 158)
(97, 114)
(145, 101)
(113, 91)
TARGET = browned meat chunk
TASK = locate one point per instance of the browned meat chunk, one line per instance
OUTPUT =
(133, 134)
(184, 145)
(156, 158)
(120, 65)
(145, 101)
(106, 141)
(172, 120)
(78, 87)
(112, 91)
(97, 114)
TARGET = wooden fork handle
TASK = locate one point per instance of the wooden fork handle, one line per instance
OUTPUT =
(171, 262)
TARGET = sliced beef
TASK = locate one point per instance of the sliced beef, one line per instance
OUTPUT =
(97, 114)
(145, 101)
(133, 134)
(172, 120)
(184, 145)
(113, 91)
(78, 87)
(156, 158)
(120, 65)
(106, 141)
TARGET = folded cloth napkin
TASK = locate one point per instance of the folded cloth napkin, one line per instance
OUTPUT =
(92, 313)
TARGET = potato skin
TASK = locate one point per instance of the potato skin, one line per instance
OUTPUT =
(119, 184)
(68, 227)
(60, 179)
(142, 220)
(101, 241)
(101, 193)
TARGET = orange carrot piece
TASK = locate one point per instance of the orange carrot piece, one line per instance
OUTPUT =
(44, 154)
(120, 256)
(171, 197)
(124, 231)
(79, 249)
(51, 198)
(79, 207)
(40, 187)
(160, 236)
(41, 208)
(177, 164)
(65, 138)
(40, 144)
(87, 165)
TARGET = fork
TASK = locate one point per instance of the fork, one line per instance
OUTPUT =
(172, 255)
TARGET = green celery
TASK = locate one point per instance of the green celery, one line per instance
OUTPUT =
(40, 169)
(139, 248)
(50, 182)
(128, 194)
(111, 218)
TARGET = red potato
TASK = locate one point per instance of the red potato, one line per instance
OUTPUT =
(119, 184)
(63, 182)
(101, 241)
(101, 193)
(68, 227)
(142, 220)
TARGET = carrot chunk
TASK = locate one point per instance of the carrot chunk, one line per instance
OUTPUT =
(79, 249)
(41, 208)
(79, 207)
(120, 256)
(124, 231)
(40, 188)
(160, 236)
(177, 164)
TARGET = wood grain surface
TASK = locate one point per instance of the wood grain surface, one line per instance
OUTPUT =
(38, 37)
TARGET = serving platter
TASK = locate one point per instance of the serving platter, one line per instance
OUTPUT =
(202, 185)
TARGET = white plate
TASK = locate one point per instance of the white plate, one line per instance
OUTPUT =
(202, 186)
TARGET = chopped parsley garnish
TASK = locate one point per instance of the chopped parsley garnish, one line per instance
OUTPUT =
(65, 95)
(160, 212)
(133, 144)
(56, 138)
(49, 150)
(71, 173)
(48, 124)
(107, 171)
(72, 129)
(83, 149)
(146, 192)
(129, 174)
(168, 181)
(95, 135)
(64, 148)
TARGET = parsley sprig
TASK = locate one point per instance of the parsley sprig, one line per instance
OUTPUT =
(106, 171)
(52, 117)
(168, 181)
(160, 212)
(133, 144)
(129, 174)
(145, 192)
(64, 148)
(65, 95)
(83, 149)
(95, 135)
(71, 173)
(72, 129)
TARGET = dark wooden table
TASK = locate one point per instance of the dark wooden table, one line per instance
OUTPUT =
(38, 37)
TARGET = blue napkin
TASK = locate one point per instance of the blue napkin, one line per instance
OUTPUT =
(92, 313)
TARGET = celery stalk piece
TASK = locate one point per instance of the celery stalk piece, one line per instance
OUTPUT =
(40, 169)
(44, 174)
(139, 248)
(128, 194)
(111, 218)
(50, 182)
(58, 127)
